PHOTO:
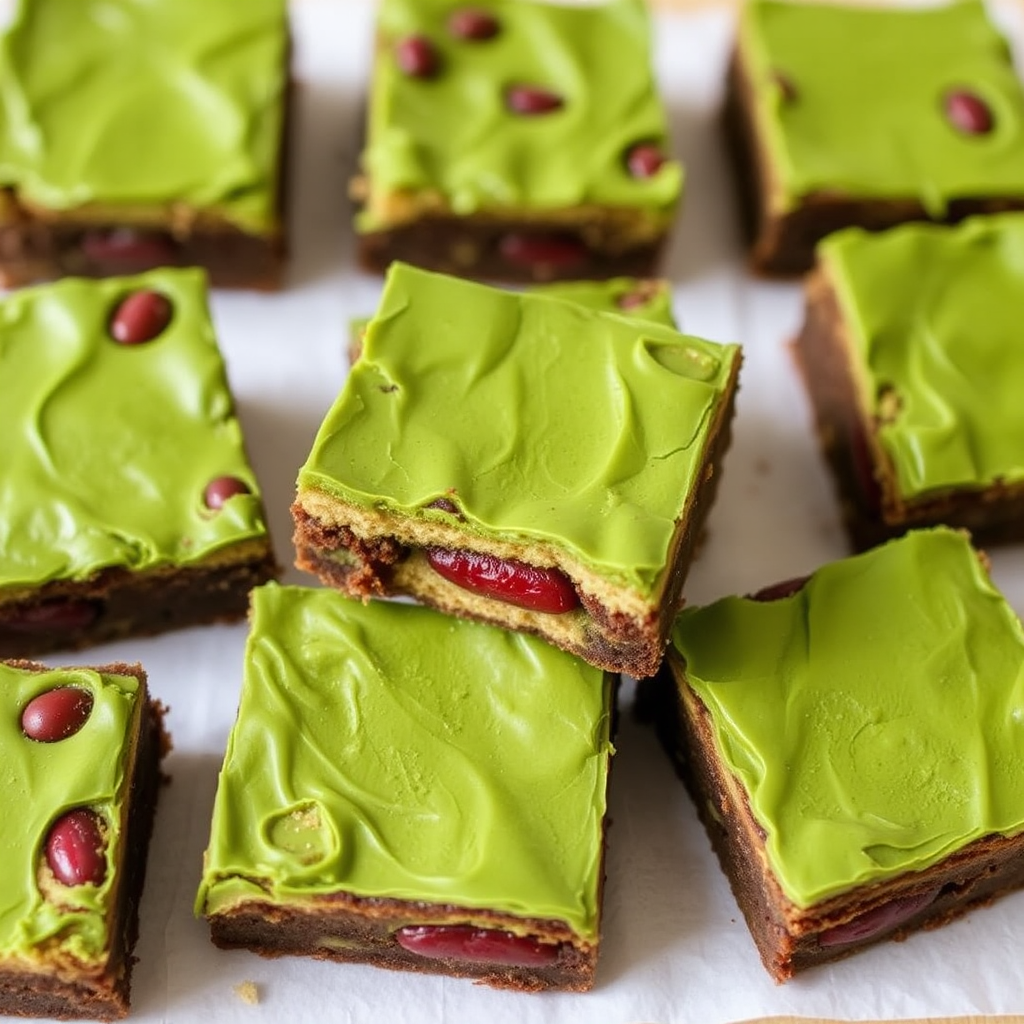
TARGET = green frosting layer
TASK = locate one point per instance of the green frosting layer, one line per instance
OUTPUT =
(541, 419)
(875, 718)
(882, 132)
(41, 781)
(452, 134)
(933, 319)
(605, 296)
(386, 750)
(145, 102)
(108, 448)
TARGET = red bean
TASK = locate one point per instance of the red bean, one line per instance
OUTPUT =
(74, 849)
(543, 251)
(221, 488)
(532, 100)
(59, 615)
(417, 57)
(473, 23)
(777, 591)
(126, 249)
(526, 586)
(479, 945)
(876, 922)
(141, 317)
(56, 714)
(968, 113)
(644, 160)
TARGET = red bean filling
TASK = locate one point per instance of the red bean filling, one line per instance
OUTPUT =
(74, 849)
(525, 250)
(60, 614)
(417, 57)
(480, 945)
(56, 714)
(221, 488)
(128, 250)
(525, 586)
(141, 317)
(472, 23)
(645, 160)
(968, 113)
(876, 922)
(531, 100)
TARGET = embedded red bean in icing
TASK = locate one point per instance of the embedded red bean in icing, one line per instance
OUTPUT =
(62, 615)
(125, 249)
(141, 317)
(777, 591)
(479, 945)
(221, 488)
(472, 23)
(526, 586)
(531, 100)
(632, 300)
(876, 922)
(56, 714)
(74, 849)
(968, 113)
(645, 160)
(416, 57)
(559, 251)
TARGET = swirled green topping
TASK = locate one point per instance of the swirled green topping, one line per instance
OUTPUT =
(108, 448)
(831, 126)
(875, 718)
(933, 319)
(41, 781)
(143, 103)
(386, 750)
(451, 134)
(541, 419)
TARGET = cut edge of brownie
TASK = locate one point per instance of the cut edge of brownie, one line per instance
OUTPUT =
(103, 992)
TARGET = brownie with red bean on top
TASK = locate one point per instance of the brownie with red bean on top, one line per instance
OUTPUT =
(868, 116)
(127, 502)
(85, 744)
(515, 141)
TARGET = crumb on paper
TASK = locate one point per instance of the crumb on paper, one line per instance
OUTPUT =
(248, 992)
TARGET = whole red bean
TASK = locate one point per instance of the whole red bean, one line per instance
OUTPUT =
(533, 250)
(417, 57)
(56, 714)
(480, 945)
(74, 849)
(532, 100)
(644, 160)
(221, 488)
(141, 317)
(473, 23)
(968, 112)
(876, 922)
(61, 615)
(122, 250)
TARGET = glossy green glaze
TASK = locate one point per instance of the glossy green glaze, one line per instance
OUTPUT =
(108, 448)
(451, 135)
(882, 132)
(39, 783)
(933, 318)
(875, 718)
(387, 750)
(541, 419)
(142, 103)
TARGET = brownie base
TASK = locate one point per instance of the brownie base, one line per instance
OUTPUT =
(117, 603)
(788, 938)
(477, 248)
(864, 478)
(104, 993)
(782, 244)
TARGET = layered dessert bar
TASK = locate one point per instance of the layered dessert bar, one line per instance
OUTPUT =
(515, 141)
(852, 744)
(911, 356)
(80, 751)
(868, 116)
(411, 791)
(127, 503)
(521, 460)
(138, 135)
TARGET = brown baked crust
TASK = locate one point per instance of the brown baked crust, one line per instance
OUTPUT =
(786, 936)
(872, 508)
(121, 603)
(781, 244)
(104, 993)
(600, 632)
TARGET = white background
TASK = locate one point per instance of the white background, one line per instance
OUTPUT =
(675, 949)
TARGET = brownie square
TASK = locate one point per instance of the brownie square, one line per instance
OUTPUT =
(911, 356)
(515, 141)
(852, 745)
(411, 791)
(869, 116)
(127, 501)
(80, 751)
(521, 460)
(153, 135)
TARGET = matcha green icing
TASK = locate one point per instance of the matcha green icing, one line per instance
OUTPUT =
(386, 750)
(42, 781)
(933, 318)
(452, 135)
(605, 296)
(541, 419)
(108, 448)
(866, 111)
(145, 102)
(875, 718)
